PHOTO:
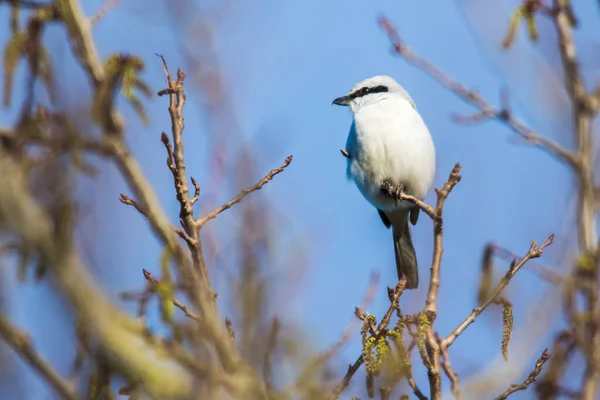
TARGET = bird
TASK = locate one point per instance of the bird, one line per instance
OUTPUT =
(390, 144)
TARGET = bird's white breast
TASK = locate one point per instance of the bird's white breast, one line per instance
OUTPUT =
(388, 140)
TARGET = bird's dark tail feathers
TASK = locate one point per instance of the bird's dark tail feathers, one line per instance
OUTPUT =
(406, 258)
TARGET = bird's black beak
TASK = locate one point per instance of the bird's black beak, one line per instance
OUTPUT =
(342, 101)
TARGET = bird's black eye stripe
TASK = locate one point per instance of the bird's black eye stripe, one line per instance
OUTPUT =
(367, 90)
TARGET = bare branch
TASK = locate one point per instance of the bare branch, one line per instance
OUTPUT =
(530, 379)
(196, 191)
(21, 344)
(473, 98)
(272, 342)
(447, 367)
(153, 281)
(108, 5)
(380, 330)
(514, 268)
(396, 193)
(539, 269)
(118, 335)
(213, 214)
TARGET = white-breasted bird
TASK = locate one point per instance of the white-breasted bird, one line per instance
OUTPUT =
(389, 144)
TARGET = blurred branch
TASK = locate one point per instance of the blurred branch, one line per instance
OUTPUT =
(108, 5)
(533, 252)
(271, 345)
(348, 332)
(530, 379)
(584, 109)
(21, 344)
(213, 214)
(62, 143)
(108, 79)
(154, 282)
(116, 332)
(82, 42)
(471, 97)
(27, 3)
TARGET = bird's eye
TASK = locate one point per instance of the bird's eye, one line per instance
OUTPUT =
(364, 90)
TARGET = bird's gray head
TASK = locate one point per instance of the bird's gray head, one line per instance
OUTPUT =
(371, 91)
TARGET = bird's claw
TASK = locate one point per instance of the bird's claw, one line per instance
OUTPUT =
(392, 191)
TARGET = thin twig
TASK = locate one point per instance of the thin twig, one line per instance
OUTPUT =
(537, 268)
(351, 327)
(416, 391)
(196, 191)
(448, 370)
(153, 281)
(380, 330)
(514, 268)
(530, 379)
(108, 5)
(213, 214)
(123, 198)
(473, 98)
(21, 344)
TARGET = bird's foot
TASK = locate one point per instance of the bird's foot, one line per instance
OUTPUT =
(392, 191)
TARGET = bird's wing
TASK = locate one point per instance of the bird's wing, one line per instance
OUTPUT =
(384, 218)
(414, 215)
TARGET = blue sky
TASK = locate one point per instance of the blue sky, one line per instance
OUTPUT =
(283, 63)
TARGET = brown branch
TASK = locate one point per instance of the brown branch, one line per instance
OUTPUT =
(108, 5)
(416, 391)
(431, 358)
(473, 98)
(26, 3)
(395, 192)
(448, 370)
(62, 143)
(271, 344)
(430, 310)
(230, 331)
(530, 379)
(514, 268)
(123, 198)
(380, 330)
(351, 327)
(176, 163)
(442, 195)
(21, 344)
(196, 191)
(539, 269)
(584, 109)
(213, 214)
(153, 282)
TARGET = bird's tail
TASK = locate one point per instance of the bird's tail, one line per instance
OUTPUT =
(406, 258)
